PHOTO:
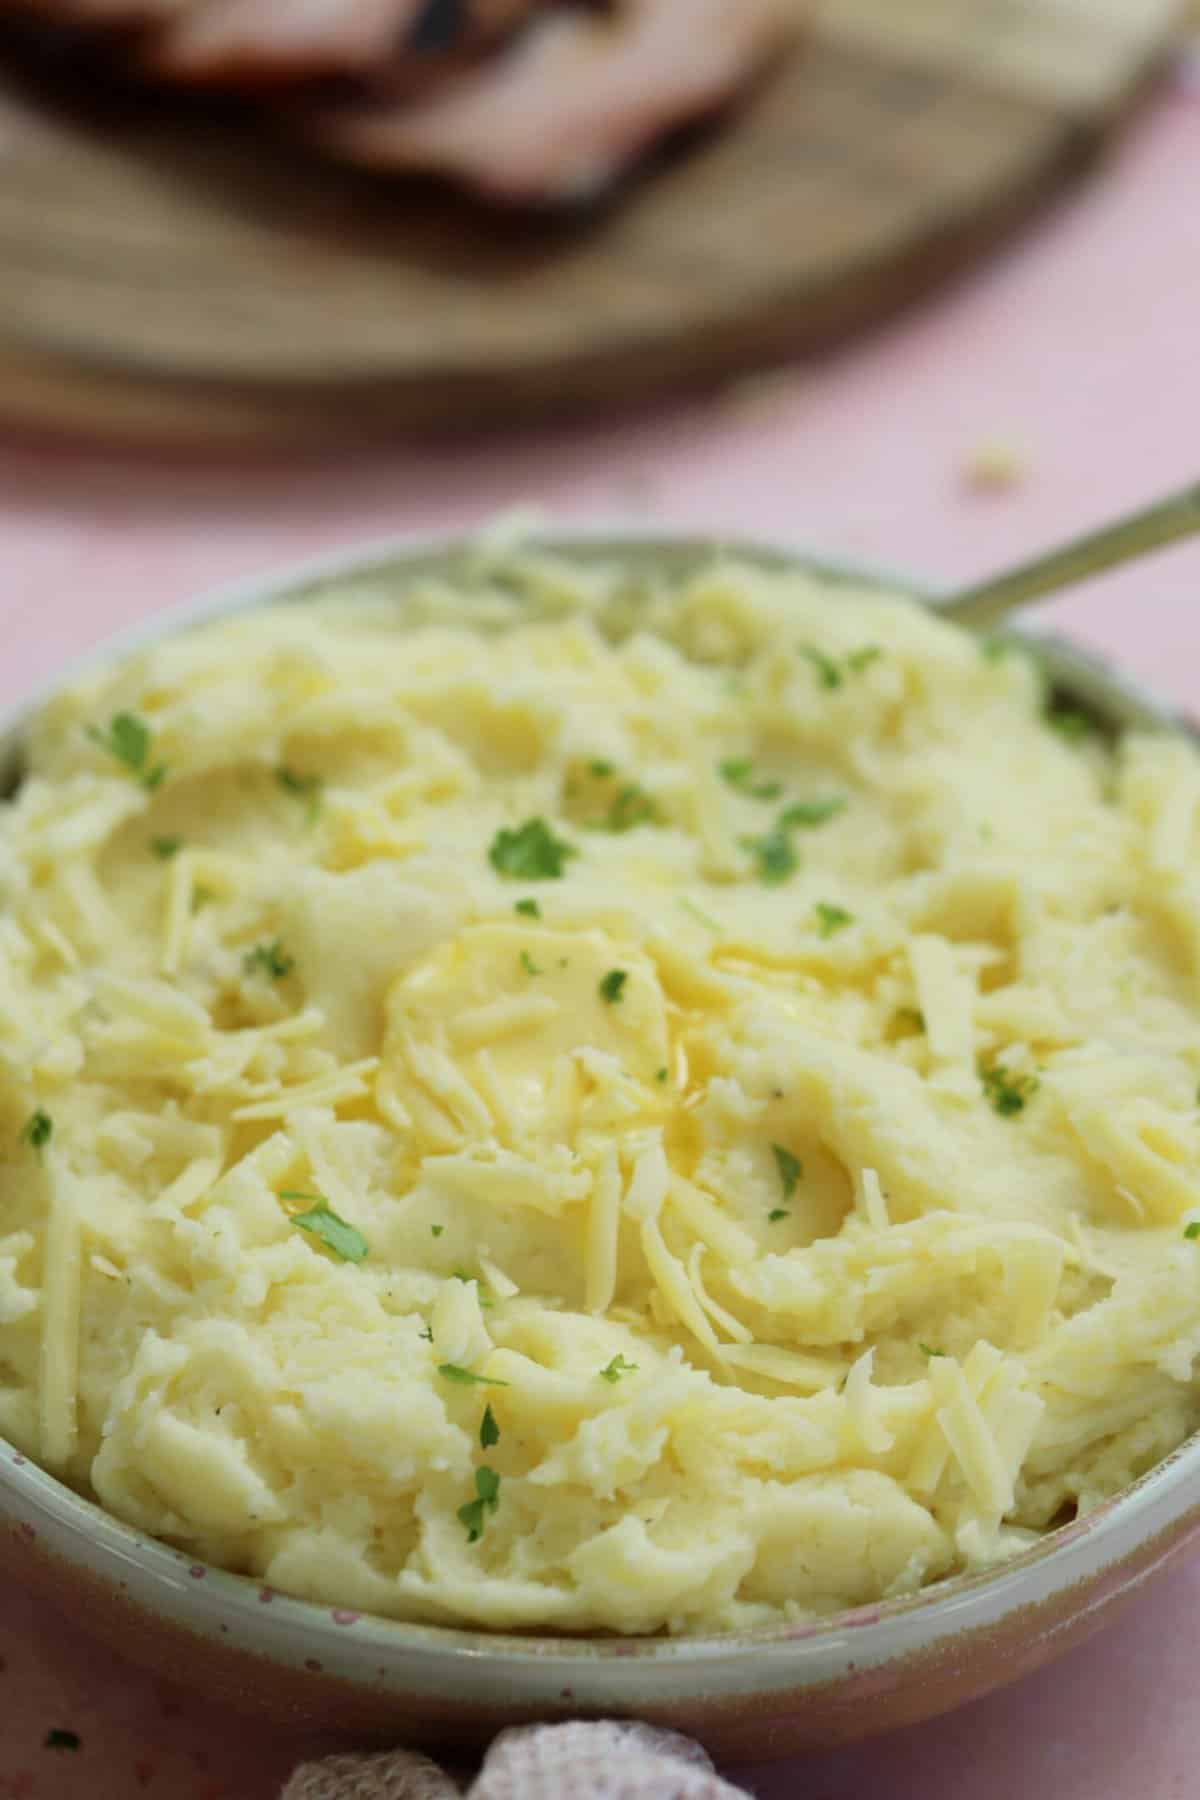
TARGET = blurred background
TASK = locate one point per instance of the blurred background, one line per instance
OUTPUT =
(913, 282)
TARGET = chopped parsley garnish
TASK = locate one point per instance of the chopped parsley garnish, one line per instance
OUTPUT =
(828, 673)
(806, 814)
(631, 806)
(775, 854)
(528, 964)
(128, 740)
(468, 1377)
(777, 861)
(858, 660)
(487, 1498)
(37, 1130)
(601, 769)
(831, 919)
(271, 958)
(426, 1334)
(62, 1740)
(1192, 1229)
(738, 771)
(910, 1020)
(610, 985)
(437, 1230)
(1073, 726)
(166, 847)
(790, 1169)
(776, 1213)
(531, 853)
(661, 1076)
(303, 787)
(322, 1222)
(529, 909)
(928, 1350)
(201, 896)
(616, 1368)
(1006, 1093)
(489, 1431)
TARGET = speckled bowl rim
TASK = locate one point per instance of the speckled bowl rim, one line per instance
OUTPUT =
(199, 1595)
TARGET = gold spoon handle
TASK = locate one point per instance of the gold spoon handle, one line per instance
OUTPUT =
(1137, 535)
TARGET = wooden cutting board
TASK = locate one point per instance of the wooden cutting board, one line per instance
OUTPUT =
(172, 275)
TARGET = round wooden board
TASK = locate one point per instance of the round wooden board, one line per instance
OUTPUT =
(172, 276)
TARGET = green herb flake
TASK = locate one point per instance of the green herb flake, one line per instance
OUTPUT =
(790, 1169)
(302, 787)
(614, 1370)
(426, 1334)
(437, 1230)
(468, 1377)
(1192, 1229)
(1006, 1093)
(910, 1020)
(166, 847)
(806, 815)
(661, 1075)
(531, 853)
(632, 806)
(37, 1130)
(776, 859)
(489, 1431)
(128, 740)
(612, 984)
(62, 1740)
(334, 1232)
(928, 1350)
(601, 769)
(529, 909)
(831, 919)
(776, 1213)
(528, 964)
(1073, 727)
(828, 673)
(859, 660)
(271, 958)
(487, 1498)
(202, 896)
(738, 771)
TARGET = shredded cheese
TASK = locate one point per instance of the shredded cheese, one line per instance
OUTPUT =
(596, 1105)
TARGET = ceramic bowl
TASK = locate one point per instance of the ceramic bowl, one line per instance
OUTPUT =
(747, 1696)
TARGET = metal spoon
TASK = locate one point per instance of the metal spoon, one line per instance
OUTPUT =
(1137, 535)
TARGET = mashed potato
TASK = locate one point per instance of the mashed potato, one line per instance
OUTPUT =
(581, 1104)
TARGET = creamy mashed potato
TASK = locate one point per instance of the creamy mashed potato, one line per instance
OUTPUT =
(576, 1103)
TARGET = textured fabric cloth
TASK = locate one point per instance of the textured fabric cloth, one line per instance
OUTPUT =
(605, 1761)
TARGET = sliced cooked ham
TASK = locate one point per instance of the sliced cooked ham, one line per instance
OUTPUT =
(273, 39)
(572, 104)
(267, 42)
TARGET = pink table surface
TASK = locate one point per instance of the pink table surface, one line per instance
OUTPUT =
(1080, 343)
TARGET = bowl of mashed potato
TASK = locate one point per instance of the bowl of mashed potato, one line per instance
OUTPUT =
(597, 1127)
